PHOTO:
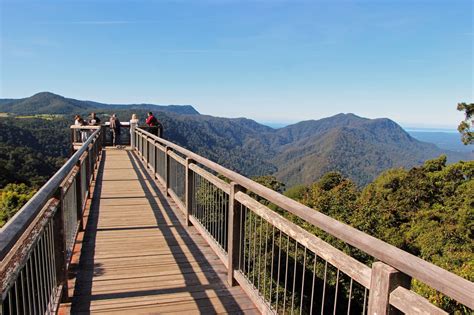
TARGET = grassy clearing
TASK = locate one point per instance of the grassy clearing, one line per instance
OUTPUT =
(40, 116)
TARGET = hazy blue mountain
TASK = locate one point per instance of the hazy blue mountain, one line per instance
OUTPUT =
(49, 103)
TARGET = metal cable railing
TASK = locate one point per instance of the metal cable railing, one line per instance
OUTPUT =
(210, 208)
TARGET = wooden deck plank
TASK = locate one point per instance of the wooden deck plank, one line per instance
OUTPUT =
(137, 257)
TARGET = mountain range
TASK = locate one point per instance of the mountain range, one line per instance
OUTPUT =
(49, 103)
(357, 147)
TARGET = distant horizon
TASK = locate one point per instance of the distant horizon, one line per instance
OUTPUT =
(408, 128)
(268, 122)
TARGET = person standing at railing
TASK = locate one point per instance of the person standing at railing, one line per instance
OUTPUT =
(78, 121)
(114, 125)
(155, 126)
(94, 120)
(133, 125)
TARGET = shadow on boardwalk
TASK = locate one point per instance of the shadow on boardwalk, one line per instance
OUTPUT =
(195, 278)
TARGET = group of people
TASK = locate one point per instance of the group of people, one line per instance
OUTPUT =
(154, 126)
(93, 121)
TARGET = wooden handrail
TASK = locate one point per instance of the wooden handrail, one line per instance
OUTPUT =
(411, 303)
(84, 127)
(14, 228)
(442, 280)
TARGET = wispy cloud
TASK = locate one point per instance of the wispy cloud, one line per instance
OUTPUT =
(183, 51)
(21, 53)
(43, 42)
(105, 22)
(101, 22)
(416, 61)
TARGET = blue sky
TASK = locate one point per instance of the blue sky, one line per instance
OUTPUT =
(273, 61)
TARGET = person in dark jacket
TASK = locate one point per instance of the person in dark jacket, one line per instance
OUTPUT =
(114, 125)
(94, 120)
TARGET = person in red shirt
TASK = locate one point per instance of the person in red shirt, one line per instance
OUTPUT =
(151, 120)
(155, 126)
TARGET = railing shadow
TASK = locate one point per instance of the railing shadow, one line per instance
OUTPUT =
(153, 192)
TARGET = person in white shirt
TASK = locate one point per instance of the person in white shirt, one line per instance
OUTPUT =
(78, 121)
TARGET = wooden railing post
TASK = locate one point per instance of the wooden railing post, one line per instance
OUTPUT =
(383, 281)
(73, 140)
(233, 230)
(60, 252)
(145, 148)
(99, 139)
(88, 171)
(102, 136)
(147, 155)
(139, 145)
(167, 169)
(79, 196)
(153, 162)
(189, 190)
(137, 139)
(91, 162)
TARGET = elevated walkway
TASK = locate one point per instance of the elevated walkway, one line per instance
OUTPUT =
(161, 229)
(138, 257)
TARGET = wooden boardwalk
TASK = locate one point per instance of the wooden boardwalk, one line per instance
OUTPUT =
(137, 257)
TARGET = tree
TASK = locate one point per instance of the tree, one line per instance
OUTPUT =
(12, 198)
(271, 182)
(465, 126)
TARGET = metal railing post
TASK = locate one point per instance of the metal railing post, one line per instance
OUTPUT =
(383, 281)
(189, 190)
(233, 230)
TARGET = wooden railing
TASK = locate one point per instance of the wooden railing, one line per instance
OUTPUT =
(80, 133)
(36, 244)
(280, 265)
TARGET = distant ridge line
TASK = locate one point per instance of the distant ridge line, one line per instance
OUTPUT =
(50, 103)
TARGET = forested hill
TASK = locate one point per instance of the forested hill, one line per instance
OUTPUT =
(359, 148)
(31, 150)
(49, 103)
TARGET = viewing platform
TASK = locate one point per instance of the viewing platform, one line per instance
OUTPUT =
(155, 228)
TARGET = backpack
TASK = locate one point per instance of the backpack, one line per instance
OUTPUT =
(154, 122)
